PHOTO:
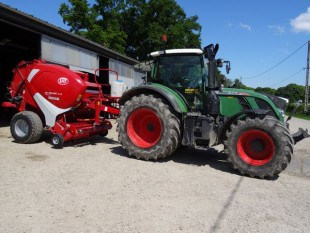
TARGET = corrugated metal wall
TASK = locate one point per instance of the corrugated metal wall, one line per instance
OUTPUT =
(60, 52)
(126, 73)
(77, 58)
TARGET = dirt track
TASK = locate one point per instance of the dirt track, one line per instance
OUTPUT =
(97, 188)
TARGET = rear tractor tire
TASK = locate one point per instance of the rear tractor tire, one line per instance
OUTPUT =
(147, 128)
(26, 127)
(259, 147)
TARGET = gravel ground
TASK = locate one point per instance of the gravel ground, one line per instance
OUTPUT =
(96, 187)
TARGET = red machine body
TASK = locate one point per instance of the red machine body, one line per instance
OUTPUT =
(64, 100)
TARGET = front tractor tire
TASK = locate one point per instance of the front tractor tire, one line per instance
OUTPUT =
(259, 147)
(26, 127)
(147, 128)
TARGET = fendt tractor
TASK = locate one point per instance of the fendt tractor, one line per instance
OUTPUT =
(182, 104)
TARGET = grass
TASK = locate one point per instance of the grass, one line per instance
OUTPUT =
(302, 116)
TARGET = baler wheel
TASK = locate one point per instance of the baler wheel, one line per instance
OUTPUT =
(57, 141)
(148, 128)
(259, 147)
(26, 127)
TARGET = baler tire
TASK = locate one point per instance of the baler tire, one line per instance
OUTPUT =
(26, 127)
(57, 141)
(147, 128)
(259, 147)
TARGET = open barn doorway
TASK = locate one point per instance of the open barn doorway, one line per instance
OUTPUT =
(16, 44)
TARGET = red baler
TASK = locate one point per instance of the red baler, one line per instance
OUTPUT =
(60, 99)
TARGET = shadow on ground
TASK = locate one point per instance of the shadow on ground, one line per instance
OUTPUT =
(190, 156)
(4, 123)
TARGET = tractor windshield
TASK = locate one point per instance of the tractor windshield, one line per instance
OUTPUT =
(179, 71)
(183, 73)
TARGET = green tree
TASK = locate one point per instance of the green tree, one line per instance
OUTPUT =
(266, 90)
(133, 27)
(146, 21)
(222, 79)
(293, 92)
(238, 84)
(100, 23)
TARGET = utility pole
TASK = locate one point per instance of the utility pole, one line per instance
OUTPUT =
(307, 80)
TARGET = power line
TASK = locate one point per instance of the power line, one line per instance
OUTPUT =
(278, 62)
(291, 76)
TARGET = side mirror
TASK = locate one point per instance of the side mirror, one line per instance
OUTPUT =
(227, 66)
(219, 62)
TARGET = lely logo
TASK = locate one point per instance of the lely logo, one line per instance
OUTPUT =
(63, 81)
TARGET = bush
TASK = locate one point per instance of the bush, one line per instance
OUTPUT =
(300, 110)
(292, 91)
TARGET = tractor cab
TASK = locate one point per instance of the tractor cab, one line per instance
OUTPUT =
(190, 72)
(183, 70)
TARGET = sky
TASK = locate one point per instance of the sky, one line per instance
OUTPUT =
(265, 40)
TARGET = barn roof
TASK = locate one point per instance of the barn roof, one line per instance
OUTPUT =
(31, 23)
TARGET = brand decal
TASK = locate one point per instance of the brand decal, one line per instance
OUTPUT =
(53, 98)
(63, 81)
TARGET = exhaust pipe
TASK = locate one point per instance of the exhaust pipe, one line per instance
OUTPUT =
(212, 101)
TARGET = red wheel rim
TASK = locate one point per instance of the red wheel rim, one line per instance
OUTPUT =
(255, 147)
(144, 128)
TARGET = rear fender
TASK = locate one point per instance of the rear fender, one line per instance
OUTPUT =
(175, 100)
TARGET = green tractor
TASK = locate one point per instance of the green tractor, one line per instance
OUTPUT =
(181, 104)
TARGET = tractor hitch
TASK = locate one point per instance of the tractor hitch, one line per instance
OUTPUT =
(300, 135)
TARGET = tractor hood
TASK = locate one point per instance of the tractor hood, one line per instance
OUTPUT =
(279, 103)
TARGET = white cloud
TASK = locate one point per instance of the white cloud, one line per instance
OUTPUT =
(245, 26)
(302, 22)
(277, 30)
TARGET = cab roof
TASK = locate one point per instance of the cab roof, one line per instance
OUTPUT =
(176, 51)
